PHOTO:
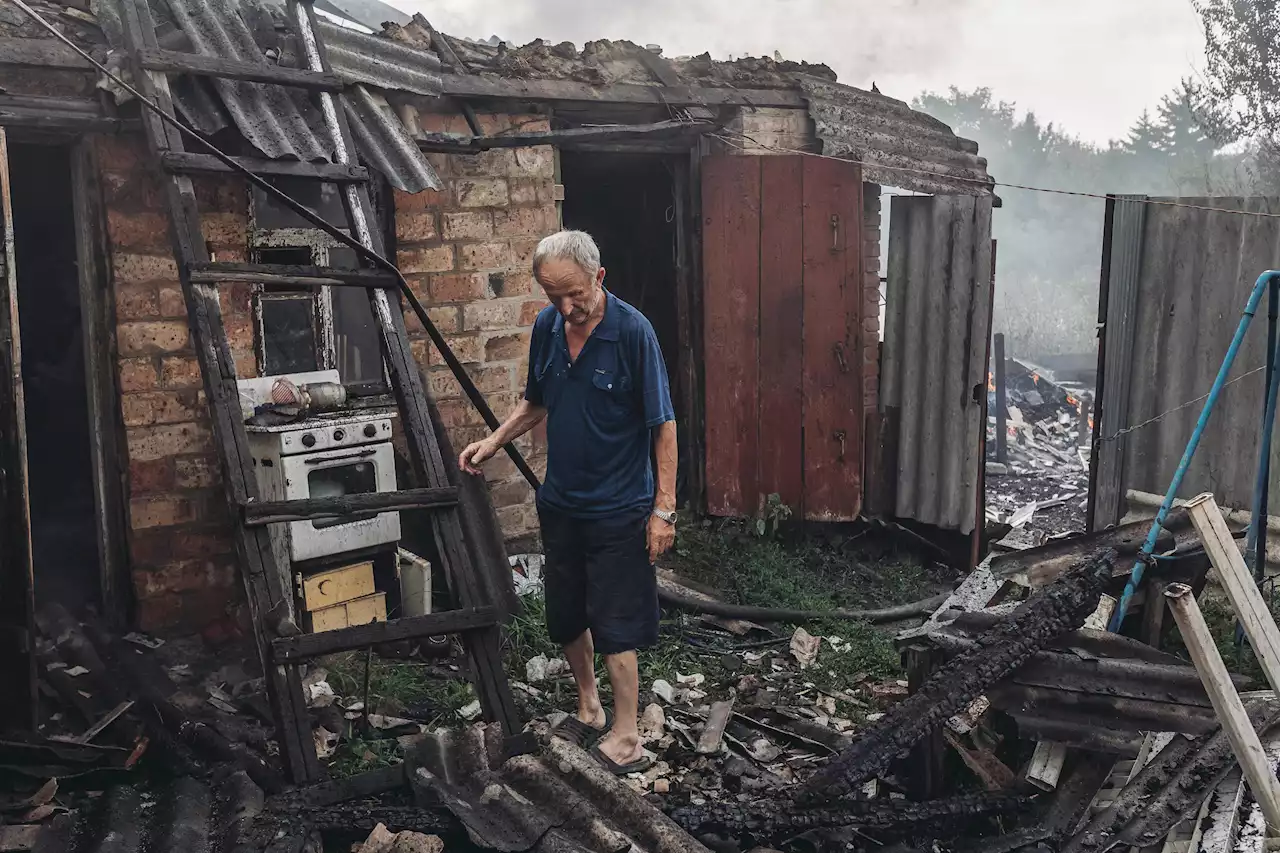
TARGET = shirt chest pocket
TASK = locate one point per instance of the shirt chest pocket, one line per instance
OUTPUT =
(609, 399)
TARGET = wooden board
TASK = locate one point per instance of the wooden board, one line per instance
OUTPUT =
(833, 285)
(781, 454)
(336, 586)
(731, 300)
(361, 611)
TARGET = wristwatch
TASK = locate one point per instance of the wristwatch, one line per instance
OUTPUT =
(665, 515)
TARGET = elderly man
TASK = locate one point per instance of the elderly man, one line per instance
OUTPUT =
(596, 375)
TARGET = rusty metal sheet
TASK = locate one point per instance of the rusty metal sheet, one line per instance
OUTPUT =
(832, 376)
(781, 454)
(933, 380)
(731, 300)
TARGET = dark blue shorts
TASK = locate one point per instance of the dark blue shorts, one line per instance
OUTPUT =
(598, 576)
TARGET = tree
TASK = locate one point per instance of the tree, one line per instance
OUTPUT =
(1146, 137)
(1241, 92)
(1181, 115)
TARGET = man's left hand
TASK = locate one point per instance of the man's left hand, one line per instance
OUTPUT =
(661, 535)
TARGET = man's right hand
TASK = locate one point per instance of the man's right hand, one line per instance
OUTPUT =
(476, 454)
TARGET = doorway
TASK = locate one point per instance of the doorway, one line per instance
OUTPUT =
(64, 533)
(629, 204)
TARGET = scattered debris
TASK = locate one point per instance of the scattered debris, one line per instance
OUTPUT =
(381, 840)
(804, 647)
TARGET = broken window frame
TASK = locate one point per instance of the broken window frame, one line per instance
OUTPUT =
(319, 245)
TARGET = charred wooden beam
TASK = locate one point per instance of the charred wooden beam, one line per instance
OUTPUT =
(307, 646)
(469, 86)
(1050, 613)
(174, 62)
(289, 274)
(458, 144)
(185, 163)
(59, 114)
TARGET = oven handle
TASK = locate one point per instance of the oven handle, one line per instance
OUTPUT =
(362, 454)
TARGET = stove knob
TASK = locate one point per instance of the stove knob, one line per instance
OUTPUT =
(370, 430)
(308, 440)
(339, 434)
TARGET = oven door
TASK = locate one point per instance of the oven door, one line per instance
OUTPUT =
(334, 473)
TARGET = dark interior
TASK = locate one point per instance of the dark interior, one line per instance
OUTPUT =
(59, 466)
(627, 203)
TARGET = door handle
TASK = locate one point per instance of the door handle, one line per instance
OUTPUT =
(840, 436)
(838, 349)
(363, 454)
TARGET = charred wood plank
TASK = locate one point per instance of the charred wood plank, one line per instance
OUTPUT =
(174, 62)
(453, 143)
(469, 86)
(259, 513)
(293, 275)
(307, 646)
(1050, 613)
(360, 786)
(185, 163)
(58, 114)
(40, 53)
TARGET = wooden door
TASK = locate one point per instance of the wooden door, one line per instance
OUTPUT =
(783, 335)
(17, 602)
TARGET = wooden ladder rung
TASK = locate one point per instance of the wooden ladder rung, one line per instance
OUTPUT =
(186, 163)
(260, 513)
(291, 275)
(307, 646)
(175, 62)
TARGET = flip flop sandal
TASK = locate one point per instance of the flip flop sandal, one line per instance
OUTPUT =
(640, 765)
(582, 734)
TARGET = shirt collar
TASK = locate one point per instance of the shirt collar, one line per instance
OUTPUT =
(610, 325)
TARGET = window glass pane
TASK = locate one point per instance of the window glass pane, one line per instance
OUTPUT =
(323, 198)
(359, 356)
(358, 478)
(288, 332)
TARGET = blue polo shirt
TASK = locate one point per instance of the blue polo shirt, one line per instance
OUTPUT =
(600, 410)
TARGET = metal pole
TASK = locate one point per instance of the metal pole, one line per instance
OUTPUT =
(1227, 706)
(1257, 539)
(1002, 403)
(1149, 546)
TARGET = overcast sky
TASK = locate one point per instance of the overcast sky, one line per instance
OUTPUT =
(1090, 66)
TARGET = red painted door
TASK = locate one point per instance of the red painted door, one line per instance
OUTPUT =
(783, 335)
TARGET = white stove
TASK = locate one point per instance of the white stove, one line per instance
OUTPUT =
(326, 456)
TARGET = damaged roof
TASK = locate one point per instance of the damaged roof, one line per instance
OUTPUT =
(281, 122)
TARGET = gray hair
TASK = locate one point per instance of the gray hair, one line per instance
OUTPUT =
(576, 246)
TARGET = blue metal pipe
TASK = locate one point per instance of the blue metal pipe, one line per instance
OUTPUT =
(1149, 545)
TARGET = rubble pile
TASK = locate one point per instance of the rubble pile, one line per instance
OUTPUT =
(1041, 490)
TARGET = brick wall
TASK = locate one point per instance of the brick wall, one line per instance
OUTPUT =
(466, 251)
(182, 556)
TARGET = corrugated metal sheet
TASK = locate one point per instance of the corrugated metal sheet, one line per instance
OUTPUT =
(561, 801)
(896, 144)
(281, 122)
(933, 372)
(1195, 272)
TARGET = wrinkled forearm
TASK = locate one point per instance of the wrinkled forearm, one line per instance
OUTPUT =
(523, 418)
(665, 453)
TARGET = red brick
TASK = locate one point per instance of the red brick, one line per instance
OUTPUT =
(484, 256)
(445, 318)
(514, 283)
(137, 301)
(201, 544)
(236, 299)
(517, 520)
(160, 512)
(416, 227)
(493, 315)
(441, 384)
(180, 372)
(185, 576)
(196, 472)
(510, 493)
(172, 304)
(468, 225)
(466, 347)
(457, 287)
(222, 193)
(459, 413)
(524, 191)
(481, 192)
(239, 330)
(131, 268)
(419, 201)
(506, 347)
(169, 440)
(138, 374)
(547, 192)
(538, 161)
(151, 475)
(144, 231)
(160, 407)
(498, 161)
(529, 311)
(120, 153)
(156, 336)
(433, 259)
(522, 253)
(149, 547)
(492, 380)
(225, 230)
(137, 190)
(443, 123)
(524, 222)
(420, 349)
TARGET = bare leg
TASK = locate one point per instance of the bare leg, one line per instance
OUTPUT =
(581, 654)
(622, 744)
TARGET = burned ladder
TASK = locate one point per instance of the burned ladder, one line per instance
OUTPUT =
(267, 584)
